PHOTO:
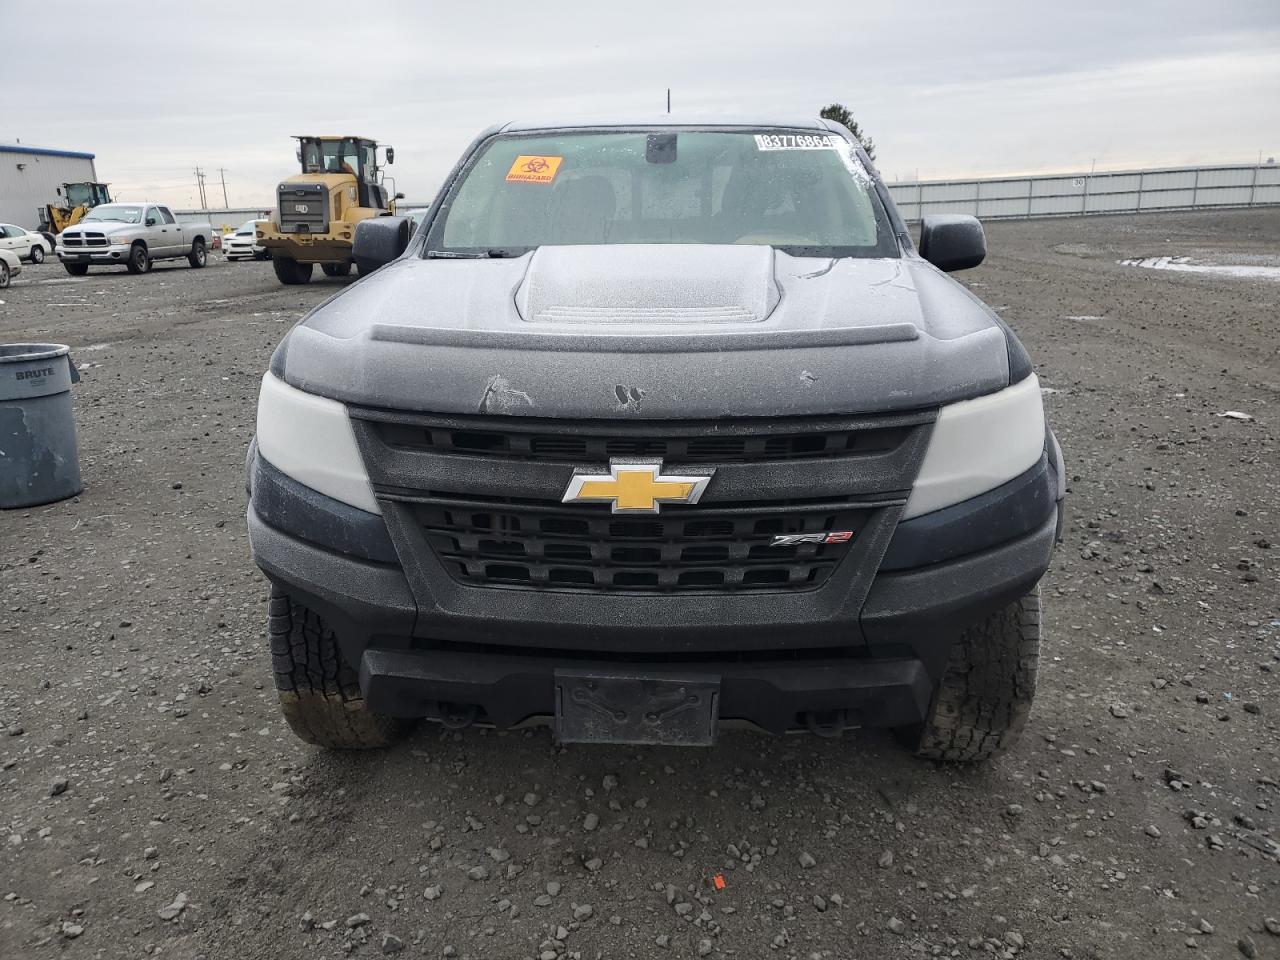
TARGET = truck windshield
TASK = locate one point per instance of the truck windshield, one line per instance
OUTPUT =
(803, 192)
(116, 212)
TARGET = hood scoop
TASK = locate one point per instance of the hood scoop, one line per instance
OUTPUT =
(625, 285)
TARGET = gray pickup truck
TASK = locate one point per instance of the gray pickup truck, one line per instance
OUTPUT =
(651, 426)
(132, 234)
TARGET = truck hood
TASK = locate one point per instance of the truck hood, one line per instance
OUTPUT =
(106, 227)
(650, 331)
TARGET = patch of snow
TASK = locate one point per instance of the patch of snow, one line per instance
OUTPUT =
(1185, 264)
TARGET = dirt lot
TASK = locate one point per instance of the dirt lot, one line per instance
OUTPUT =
(154, 803)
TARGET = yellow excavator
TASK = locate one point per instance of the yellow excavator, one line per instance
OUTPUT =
(317, 211)
(77, 200)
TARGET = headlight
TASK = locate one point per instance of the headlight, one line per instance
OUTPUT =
(310, 439)
(116, 240)
(979, 444)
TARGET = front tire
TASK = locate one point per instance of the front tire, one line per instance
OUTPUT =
(37, 254)
(76, 269)
(290, 271)
(981, 705)
(199, 254)
(139, 260)
(4, 275)
(319, 691)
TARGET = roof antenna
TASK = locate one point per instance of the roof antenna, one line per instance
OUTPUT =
(668, 99)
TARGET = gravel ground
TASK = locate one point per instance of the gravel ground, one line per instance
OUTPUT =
(154, 802)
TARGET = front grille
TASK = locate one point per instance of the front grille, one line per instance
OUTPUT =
(510, 542)
(84, 240)
(482, 495)
(700, 443)
(303, 209)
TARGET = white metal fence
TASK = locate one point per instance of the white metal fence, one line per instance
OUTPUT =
(1127, 191)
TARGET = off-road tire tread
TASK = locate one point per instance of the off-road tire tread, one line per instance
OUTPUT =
(289, 271)
(984, 699)
(319, 691)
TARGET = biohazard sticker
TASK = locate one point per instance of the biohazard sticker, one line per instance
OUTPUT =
(534, 169)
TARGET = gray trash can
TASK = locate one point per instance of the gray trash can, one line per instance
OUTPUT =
(38, 459)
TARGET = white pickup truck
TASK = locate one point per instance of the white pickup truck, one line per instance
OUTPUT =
(133, 234)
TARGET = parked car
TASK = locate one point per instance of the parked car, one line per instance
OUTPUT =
(134, 235)
(10, 267)
(652, 426)
(27, 244)
(241, 244)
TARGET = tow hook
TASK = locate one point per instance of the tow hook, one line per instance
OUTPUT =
(458, 716)
(826, 723)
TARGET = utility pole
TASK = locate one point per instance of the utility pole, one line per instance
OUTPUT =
(200, 184)
(668, 99)
(225, 204)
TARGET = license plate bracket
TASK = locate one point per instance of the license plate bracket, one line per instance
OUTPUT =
(637, 708)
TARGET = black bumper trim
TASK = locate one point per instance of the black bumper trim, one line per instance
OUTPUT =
(905, 609)
(1006, 513)
(772, 695)
(359, 598)
(295, 508)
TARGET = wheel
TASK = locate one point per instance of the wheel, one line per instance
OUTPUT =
(260, 255)
(336, 269)
(319, 691)
(199, 255)
(37, 254)
(290, 271)
(982, 703)
(139, 259)
(76, 269)
(4, 275)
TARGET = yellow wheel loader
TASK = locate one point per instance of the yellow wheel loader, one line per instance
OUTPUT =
(317, 211)
(77, 200)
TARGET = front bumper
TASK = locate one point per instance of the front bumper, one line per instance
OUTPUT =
(868, 659)
(115, 253)
(309, 247)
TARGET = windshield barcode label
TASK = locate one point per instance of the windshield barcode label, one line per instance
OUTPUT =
(795, 141)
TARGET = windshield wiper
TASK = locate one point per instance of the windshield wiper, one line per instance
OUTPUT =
(493, 254)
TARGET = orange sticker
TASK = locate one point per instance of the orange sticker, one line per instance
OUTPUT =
(718, 880)
(534, 169)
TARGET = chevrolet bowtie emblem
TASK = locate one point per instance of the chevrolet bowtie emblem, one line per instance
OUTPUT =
(636, 486)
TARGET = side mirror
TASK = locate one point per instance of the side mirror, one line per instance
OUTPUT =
(399, 196)
(151, 221)
(391, 154)
(379, 240)
(952, 241)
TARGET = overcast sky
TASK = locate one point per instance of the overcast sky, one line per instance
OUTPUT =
(976, 87)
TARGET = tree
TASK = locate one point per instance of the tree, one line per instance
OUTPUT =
(840, 114)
